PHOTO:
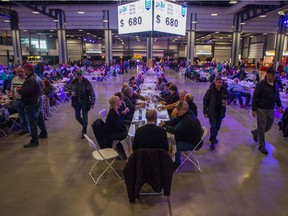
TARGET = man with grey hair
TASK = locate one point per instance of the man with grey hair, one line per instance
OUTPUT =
(186, 129)
(150, 135)
(239, 92)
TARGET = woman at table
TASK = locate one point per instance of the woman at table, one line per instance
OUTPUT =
(114, 127)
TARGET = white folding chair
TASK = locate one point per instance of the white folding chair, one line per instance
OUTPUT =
(190, 156)
(2, 110)
(102, 155)
(14, 118)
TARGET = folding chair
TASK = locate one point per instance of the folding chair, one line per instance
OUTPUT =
(102, 155)
(14, 118)
(188, 156)
(2, 110)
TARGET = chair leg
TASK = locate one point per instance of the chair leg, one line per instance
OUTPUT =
(187, 157)
(14, 123)
(4, 134)
(90, 172)
(110, 166)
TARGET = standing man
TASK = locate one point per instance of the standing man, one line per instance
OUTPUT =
(83, 99)
(264, 98)
(214, 108)
(18, 103)
(31, 97)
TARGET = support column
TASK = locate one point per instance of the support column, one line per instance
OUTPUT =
(17, 46)
(61, 34)
(149, 51)
(108, 38)
(62, 46)
(108, 46)
(236, 41)
(280, 37)
(191, 40)
(16, 41)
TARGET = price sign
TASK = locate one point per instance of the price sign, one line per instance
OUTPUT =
(169, 17)
(135, 17)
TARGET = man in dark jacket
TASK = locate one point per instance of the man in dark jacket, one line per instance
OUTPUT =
(83, 98)
(214, 108)
(150, 135)
(264, 98)
(31, 97)
(186, 129)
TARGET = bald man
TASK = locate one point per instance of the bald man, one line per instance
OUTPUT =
(150, 135)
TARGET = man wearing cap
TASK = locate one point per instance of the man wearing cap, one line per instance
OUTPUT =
(186, 129)
(31, 97)
(83, 99)
(263, 101)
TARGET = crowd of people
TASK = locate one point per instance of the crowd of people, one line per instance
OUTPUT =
(29, 84)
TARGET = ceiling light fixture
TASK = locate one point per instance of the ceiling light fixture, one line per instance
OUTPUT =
(7, 21)
(81, 12)
(55, 20)
(194, 21)
(35, 12)
(242, 23)
(80, 30)
(233, 2)
(105, 21)
(214, 14)
(263, 15)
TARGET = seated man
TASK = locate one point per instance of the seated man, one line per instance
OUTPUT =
(186, 129)
(239, 92)
(150, 135)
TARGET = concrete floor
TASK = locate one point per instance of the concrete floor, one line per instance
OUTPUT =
(53, 179)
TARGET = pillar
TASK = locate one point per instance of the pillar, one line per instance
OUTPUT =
(191, 40)
(236, 40)
(16, 41)
(61, 34)
(108, 46)
(280, 38)
(149, 51)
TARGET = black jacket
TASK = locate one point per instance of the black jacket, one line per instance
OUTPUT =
(113, 123)
(186, 128)
(31, 89)
(210, 100)
(150, 136)
(265, 96)
(172, 98)
(89, 95)
(152, 166)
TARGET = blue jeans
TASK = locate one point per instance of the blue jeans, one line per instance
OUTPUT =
(182, 146)
(20, 107)
(81, 106)
(239, 95)
(215, 124)
(35, 117)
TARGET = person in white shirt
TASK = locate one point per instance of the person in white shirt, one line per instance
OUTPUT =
(18, 81)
